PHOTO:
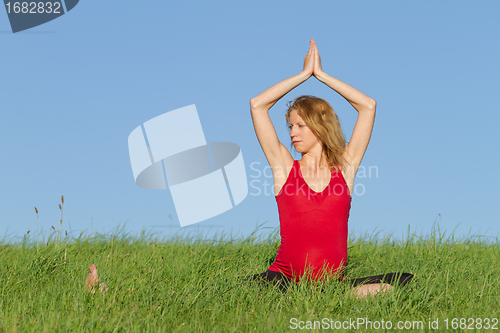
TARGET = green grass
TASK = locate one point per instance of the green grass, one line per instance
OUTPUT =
(180, 285)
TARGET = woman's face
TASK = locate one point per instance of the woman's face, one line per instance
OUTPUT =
(303, 138)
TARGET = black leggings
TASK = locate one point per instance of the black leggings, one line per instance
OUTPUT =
(271, 277)
(283, 282)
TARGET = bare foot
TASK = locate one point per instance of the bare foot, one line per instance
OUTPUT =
(371, 290)
(92, 282)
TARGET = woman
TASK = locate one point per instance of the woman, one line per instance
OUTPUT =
(314, 193)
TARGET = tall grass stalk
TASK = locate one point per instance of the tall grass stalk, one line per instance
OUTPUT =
(36, 210)
(61, 217)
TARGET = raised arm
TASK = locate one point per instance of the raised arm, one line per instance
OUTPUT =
(365, 106)
(273, 149)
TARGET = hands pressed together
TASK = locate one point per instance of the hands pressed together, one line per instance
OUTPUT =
(312, 61)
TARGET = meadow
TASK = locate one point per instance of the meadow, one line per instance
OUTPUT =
(192, 285)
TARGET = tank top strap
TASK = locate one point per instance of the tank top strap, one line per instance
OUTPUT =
(294, 169)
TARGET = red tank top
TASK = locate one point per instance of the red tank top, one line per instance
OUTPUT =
(313, 226)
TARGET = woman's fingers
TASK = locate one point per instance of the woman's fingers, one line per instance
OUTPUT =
(309, 59)
(317, 60)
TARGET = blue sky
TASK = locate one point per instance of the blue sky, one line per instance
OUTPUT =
(74, 88)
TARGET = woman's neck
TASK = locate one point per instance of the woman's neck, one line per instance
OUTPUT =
(314, 162)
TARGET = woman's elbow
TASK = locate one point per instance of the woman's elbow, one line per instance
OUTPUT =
(254, 103)
(368, 106)
(372, 105)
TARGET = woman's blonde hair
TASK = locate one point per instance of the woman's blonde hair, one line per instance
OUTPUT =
(320, 118)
